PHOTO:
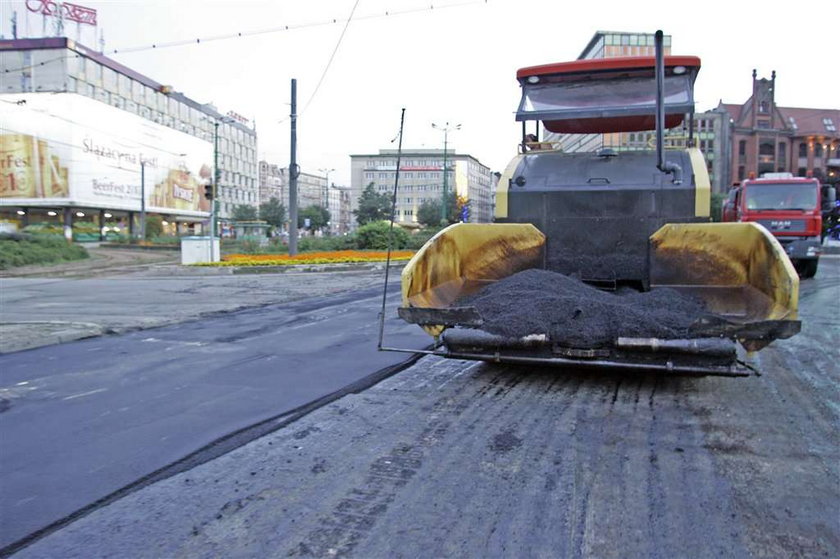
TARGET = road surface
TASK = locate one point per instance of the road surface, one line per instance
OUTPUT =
(82, 420)
(452, 458)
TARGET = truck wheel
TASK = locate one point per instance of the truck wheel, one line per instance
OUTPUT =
(807, 268)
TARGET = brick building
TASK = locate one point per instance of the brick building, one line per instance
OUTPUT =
(768, 138)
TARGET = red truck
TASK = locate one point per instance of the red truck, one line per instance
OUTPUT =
(789, 207)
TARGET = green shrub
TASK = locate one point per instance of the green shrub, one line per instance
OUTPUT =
(321, 244)
(250, 245)
(716, 206)
(23, 249)
(374, 236)
(154, 226)
(419, 238)
(277, 245)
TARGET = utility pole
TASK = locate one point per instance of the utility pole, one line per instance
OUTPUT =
(142, 199)
(446, 128)
(294, 171)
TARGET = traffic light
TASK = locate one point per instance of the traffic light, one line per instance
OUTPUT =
(208, 191)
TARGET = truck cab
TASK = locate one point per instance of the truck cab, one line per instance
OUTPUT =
(788, 207)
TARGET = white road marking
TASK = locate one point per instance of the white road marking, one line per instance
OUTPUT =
(85, 394)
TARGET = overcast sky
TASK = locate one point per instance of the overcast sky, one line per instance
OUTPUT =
(456, 62)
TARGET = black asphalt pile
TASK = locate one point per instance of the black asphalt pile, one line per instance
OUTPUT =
(575, 314)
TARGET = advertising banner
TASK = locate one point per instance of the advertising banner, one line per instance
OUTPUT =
(66, 149)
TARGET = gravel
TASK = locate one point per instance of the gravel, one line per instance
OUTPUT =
(575, 314)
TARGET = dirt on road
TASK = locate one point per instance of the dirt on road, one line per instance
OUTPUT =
(102, 260)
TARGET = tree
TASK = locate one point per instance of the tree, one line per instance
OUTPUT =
(244, 212)
(428, 213)
(317, 215)
(373, 206)
(273, 212)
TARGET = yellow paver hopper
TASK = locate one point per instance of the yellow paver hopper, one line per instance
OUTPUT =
(739, 270)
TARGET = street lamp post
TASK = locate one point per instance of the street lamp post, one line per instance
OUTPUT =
(327, 188)
(216, 174)
(327, 191)
(446, 128)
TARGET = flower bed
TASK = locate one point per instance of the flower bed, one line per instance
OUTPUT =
(329, 257)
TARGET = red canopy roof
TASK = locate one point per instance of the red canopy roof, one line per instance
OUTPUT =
(605, 64)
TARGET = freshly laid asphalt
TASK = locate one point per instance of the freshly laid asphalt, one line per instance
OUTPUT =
(216, 355)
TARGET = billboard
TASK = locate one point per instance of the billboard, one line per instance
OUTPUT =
(59, 149)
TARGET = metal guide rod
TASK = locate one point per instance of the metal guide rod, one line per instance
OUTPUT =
(391, 233)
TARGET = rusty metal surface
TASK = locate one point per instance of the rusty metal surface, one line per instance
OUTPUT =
(739, 269)
(459, 258)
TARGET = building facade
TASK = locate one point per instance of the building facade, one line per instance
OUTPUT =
(312, 190)
(421, 180)
(273, 183)
(767, 138)
(60, 65)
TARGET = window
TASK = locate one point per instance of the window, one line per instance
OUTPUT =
(829, 125)
(742, 147)
(803, 150)
(818, 150)
(763, 107)
(763, 123)
(766, 148)
(782, 153)
(109, 79)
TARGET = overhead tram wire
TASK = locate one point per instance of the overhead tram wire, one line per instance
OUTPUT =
(329, 62)
(282, 28)
(243, 34)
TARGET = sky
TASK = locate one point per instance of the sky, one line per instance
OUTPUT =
(442, 61)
